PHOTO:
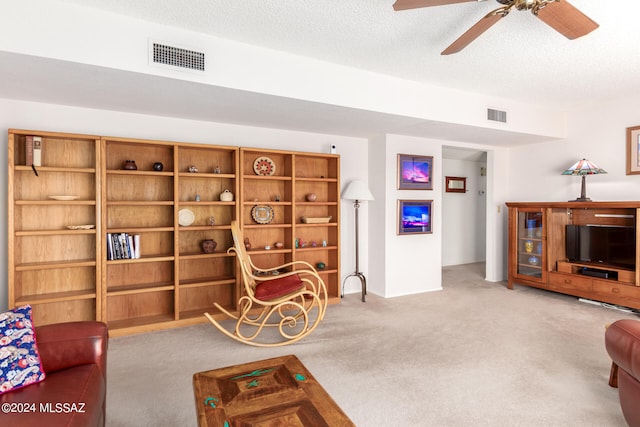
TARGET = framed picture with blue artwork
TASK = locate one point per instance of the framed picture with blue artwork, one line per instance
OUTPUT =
(415, 216)
(415, 172)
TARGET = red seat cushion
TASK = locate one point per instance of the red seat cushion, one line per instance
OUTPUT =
(272, 289)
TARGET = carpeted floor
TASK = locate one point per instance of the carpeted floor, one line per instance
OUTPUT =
(474, 354)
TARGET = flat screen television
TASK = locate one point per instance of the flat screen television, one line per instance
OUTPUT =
(606, 245)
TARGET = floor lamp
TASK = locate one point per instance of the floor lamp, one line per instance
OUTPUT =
(357, 191)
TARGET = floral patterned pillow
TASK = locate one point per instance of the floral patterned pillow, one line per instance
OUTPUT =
(19, 357)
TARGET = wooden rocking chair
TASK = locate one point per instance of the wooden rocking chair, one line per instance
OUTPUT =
(290, 297)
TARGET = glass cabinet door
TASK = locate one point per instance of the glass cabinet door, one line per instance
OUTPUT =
(531, 248)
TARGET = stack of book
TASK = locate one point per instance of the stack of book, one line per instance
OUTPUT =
(123, 246)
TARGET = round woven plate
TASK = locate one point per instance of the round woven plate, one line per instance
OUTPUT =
(264, 166)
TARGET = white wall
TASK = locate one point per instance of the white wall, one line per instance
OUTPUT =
(464, 215)
(36, 116)
(598, 134)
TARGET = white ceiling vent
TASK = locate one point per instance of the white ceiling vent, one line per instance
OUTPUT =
(172, 56)
(496, 115)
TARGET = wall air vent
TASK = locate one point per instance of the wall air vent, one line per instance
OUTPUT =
(496, 115)
(177, 57)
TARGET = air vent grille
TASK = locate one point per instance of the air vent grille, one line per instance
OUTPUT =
(496, 115)
(178, 57)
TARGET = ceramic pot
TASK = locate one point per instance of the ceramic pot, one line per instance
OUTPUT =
(311, 197)
(130, 165)
(157, 166)
(226, 196)
(208, 246)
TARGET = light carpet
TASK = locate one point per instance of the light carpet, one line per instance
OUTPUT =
(474, 354)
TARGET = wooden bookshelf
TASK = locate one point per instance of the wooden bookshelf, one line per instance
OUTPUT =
(52, 267)
(73, 275)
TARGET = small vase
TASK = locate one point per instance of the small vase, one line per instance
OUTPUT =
(208, 246)
(157, 166)
(130, 165)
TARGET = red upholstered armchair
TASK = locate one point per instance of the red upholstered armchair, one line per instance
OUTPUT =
(622, 341)
(74, 358)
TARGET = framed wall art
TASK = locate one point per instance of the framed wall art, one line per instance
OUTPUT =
(455, 184)
(414, 216)
(633, 150)
(415, 172)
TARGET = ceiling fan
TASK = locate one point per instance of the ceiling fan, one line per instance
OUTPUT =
(558, 14)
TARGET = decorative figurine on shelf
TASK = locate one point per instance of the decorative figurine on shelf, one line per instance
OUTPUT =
(217, 170)
(130, 165)
(297, 244)
(276, 198)
(193, 169)
(324, 243)
(321, 265)
(528, 246)
(247, 243)
(197, 197)
(278, 245)
(311, 197)
(314, 244)
(157, 166)
(212, 221)
(226, 196)
(208, 246)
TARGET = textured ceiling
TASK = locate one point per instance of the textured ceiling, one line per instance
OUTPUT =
(519, 58)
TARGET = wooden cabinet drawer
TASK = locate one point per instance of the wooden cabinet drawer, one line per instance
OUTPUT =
(609, 289)
(569, 282)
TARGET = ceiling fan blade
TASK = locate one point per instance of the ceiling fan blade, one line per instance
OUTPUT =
(565, 19)
(474, 32)
(414, 4)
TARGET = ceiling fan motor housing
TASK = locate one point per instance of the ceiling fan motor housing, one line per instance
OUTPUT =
(520, 4)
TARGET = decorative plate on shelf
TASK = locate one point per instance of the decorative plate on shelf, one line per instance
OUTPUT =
(264, 166)
(185, 217)
(262, 214)
(81, 227)
(65, 198)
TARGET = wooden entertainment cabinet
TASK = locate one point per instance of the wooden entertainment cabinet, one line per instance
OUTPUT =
(62, 213)
(538, 258)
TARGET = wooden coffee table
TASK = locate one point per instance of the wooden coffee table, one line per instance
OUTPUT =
(272, 392)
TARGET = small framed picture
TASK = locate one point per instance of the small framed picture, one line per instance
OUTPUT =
(415, 172)
(633, 150)
(455, 184)
(414, 216)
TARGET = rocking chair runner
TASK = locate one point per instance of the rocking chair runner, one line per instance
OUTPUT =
(293, 301)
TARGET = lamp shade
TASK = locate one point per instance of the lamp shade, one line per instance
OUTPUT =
(584, 167)
(357, 190)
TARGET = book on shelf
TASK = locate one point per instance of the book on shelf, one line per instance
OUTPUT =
(33, 150)
(123, 246)
(37, 151)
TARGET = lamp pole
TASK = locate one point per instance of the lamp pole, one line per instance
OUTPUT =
(357, 273)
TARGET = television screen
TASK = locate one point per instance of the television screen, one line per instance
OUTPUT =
(609, 245)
